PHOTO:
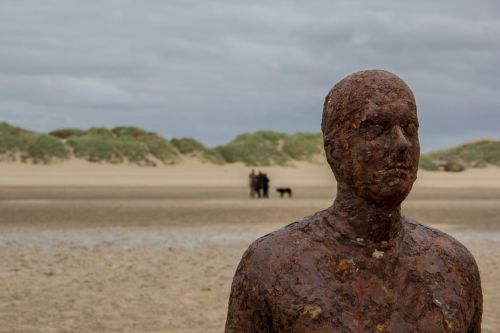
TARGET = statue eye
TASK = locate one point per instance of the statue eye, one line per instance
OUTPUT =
(372, 130)
(411, 129)
(376, 129)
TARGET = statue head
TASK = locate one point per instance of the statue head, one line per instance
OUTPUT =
(370, 133)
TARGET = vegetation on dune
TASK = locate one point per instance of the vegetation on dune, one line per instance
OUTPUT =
(304, 145)
(101, 132)
(264, 148)
(194, 148)
(17, 143)
(158, 147)
(97, 149)
(127, 144)
(476, 154)
(45, 149)
(13, 140)
(161, 148)
(97, 144)
(64, 133)
(123, 145)
(426, 163)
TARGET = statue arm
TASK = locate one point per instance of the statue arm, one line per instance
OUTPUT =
(248, 310)
(475, 326)
(477, 298)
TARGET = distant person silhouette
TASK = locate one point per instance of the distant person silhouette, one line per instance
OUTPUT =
(265, 185)
(252, 183)
(259, 184)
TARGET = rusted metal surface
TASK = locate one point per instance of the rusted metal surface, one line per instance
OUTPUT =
(359, 265)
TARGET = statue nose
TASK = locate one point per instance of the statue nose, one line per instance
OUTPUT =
(401, 143)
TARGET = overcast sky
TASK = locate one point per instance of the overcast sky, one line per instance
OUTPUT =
(211, 69)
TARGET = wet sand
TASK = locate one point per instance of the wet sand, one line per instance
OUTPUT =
(161, 259)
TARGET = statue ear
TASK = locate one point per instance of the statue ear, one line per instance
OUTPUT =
(333, 154)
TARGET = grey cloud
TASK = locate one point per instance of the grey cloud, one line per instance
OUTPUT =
(212, 69)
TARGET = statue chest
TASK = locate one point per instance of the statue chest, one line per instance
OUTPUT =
(343, 294)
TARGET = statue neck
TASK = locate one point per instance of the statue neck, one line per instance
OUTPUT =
(356, 217)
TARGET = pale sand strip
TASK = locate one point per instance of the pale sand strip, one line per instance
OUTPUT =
(191, 172)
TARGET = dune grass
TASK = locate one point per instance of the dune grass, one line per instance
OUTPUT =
(475, 154)
(426, 163)
(194, 148)
(64, 133)
(128, 144)
(265, 148)
(17, 143)
(304, 146)
(123, 145)
(97, 144)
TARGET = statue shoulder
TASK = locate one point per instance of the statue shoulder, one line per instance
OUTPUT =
(436, 242)
(438, 252)
(278, 247)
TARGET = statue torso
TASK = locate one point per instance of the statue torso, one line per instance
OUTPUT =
(312, 279)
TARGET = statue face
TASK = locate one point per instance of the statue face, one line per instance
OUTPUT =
(381, 150)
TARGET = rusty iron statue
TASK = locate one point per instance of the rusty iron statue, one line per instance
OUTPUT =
(359, 265)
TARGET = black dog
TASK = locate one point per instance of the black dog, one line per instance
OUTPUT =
(283, 190)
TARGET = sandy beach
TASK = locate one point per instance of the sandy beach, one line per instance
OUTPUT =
(192, 172)
(100, 248)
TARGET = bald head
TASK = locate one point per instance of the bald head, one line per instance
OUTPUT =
(370, 127)
(355, 93)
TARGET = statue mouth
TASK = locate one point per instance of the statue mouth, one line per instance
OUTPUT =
(405, 167)
(397, 171)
